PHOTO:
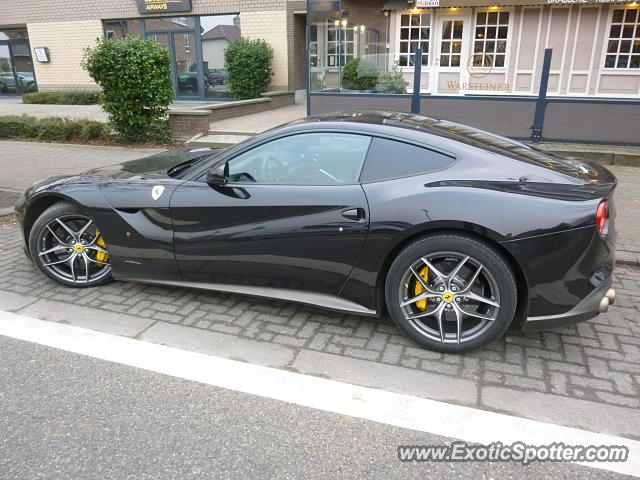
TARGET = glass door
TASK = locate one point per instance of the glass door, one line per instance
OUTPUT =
(185, 64)
(184, 71)
(8, 84)
(23, 66)
(451, 55)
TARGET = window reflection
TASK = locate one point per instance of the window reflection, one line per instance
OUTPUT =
(196, 72)
(16, 65)
(217, 32)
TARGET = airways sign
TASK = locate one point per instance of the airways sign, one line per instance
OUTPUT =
(162, 6)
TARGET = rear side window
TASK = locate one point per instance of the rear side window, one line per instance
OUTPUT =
(389, 159)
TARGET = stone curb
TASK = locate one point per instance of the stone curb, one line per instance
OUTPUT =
(628, 258)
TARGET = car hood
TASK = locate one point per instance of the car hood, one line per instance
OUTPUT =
(153, 166)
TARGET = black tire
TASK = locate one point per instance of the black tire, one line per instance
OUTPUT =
(40, 234)
(495, 274)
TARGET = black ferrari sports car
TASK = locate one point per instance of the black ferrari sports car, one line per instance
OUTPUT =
(456, 232)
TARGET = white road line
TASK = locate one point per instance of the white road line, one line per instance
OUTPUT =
(395, 409)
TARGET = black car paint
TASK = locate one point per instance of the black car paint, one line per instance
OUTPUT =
(540, 214)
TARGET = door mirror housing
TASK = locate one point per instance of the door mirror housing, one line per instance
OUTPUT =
(218, 176)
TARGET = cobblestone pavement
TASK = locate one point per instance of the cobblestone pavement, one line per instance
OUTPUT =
(598, 360)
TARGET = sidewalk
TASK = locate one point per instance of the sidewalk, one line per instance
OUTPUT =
(22, 163)
(14, 106)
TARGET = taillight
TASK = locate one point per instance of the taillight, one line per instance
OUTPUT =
(602, 217)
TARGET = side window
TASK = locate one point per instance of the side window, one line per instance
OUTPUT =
(389, 159)
(303, 159)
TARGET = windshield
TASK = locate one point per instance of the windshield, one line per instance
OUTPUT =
(198, 156)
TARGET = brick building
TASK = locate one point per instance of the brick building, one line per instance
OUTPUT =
(469, 47)
(66, 28)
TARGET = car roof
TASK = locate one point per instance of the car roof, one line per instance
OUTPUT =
(439, 133)
(420, 124)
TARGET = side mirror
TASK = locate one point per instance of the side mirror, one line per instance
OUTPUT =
(218, 176)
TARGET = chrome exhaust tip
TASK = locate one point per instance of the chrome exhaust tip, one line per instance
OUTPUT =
(611, 295)
(604, 305)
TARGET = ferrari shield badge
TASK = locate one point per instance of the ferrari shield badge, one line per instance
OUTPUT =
(156, 191)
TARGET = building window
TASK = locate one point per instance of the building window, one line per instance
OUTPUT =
(340, 40)
(180, 21)
(121, 28)
(490, 39)
(623, 47)
(451, 44)
(313, 46)
(415, 31)
(187, 44)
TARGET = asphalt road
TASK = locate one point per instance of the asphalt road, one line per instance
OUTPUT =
(63, 415)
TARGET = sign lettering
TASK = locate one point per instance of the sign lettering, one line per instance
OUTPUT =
(162, 6)
(427, 3)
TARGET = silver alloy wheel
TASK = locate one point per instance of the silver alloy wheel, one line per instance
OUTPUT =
(462, 297)
(67, 249)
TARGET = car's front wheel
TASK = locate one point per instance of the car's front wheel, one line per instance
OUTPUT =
(451, 293)
(67, 246)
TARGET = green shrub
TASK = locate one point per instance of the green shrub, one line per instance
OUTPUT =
(16, 126)
(52, 128)
(61, 98)
(248, 66)
(92, 130)
(135, 76)
(392, 81)
(359, 74)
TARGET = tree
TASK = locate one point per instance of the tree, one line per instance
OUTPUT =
(135, 76)
(248, 66)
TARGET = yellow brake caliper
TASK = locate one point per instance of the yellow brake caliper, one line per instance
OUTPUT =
(422, 304)
(101, 256)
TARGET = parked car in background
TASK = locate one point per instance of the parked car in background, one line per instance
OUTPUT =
(216, 77)
(26, 81)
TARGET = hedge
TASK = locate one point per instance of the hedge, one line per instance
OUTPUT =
(53, 128)
(248, 66)
(61, 98)
(135, 77)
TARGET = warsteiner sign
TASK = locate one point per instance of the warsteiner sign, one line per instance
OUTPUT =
(162, 6)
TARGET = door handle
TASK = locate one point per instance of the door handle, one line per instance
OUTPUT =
(356, 214)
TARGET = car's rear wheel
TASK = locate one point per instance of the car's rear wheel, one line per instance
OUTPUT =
(451, 293)
(68, 247)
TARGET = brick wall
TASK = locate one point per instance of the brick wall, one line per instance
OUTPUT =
(186, 124)
(37, 11)
(66, 42)
(270, 25)
(70, 26)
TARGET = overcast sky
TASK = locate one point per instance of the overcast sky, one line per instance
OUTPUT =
(211, 21)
